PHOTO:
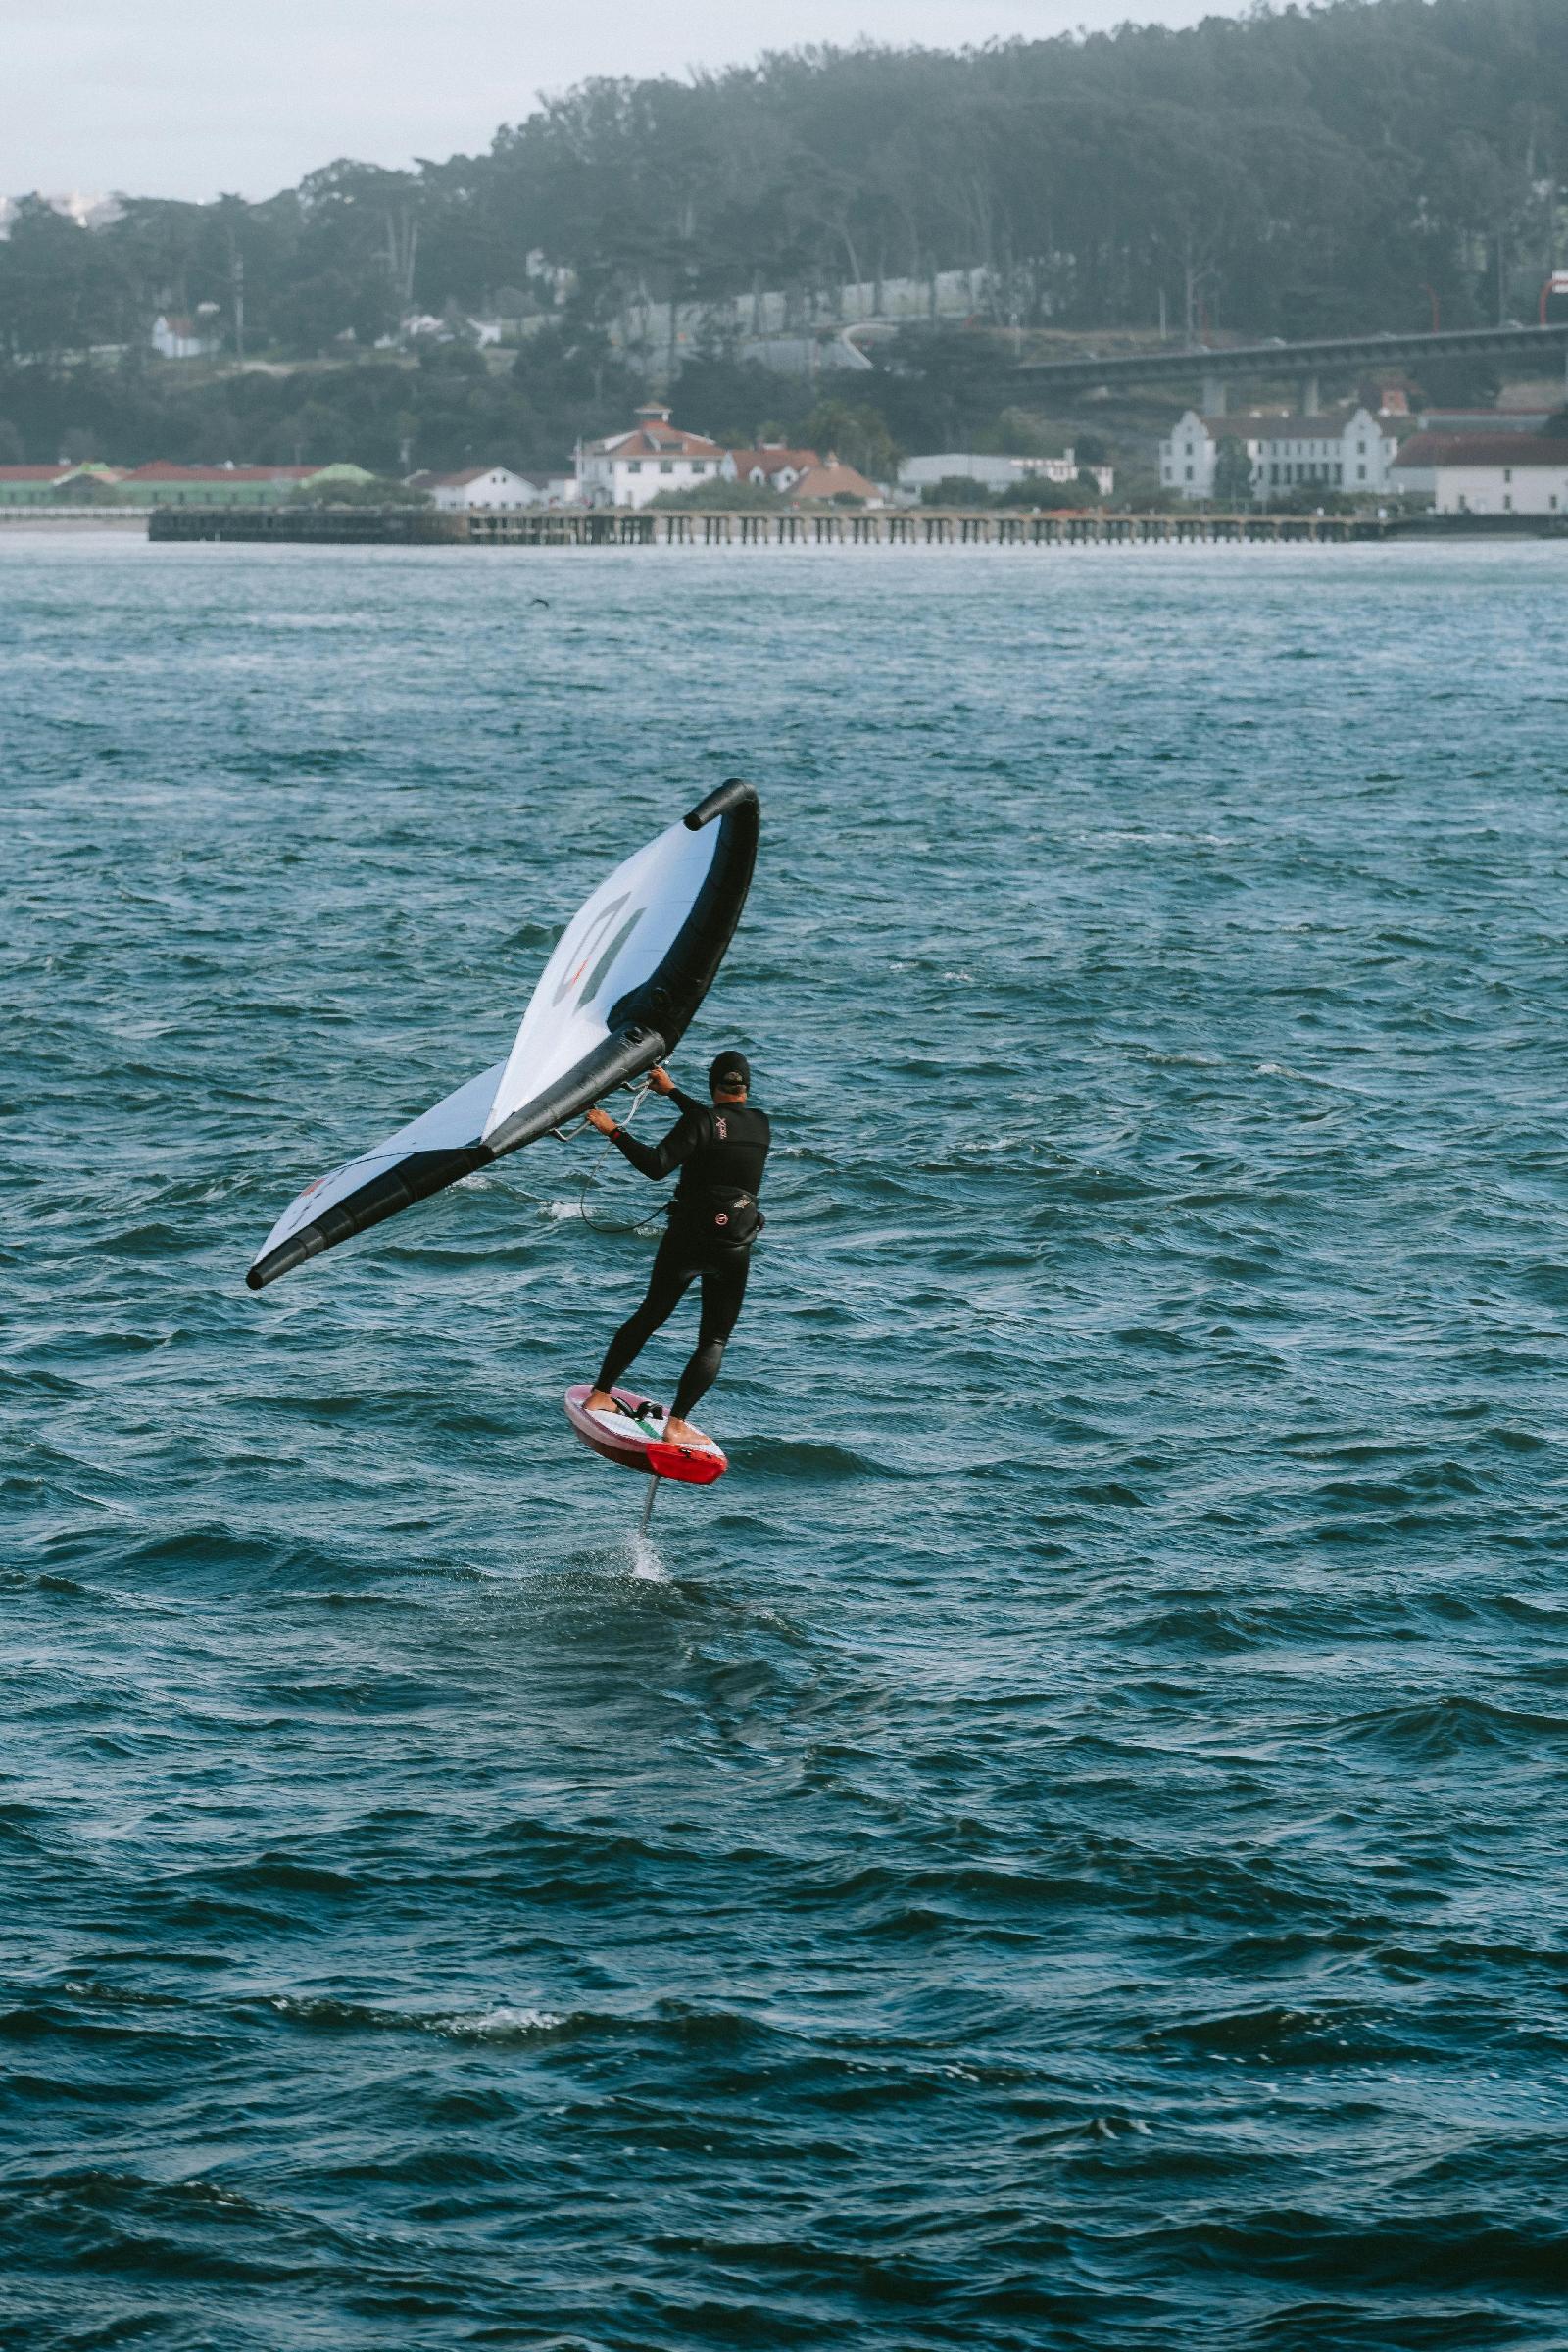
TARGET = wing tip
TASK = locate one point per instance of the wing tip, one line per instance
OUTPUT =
(281, 1260)
(733, 793)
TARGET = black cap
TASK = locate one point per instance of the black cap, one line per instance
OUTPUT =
(729, 1074)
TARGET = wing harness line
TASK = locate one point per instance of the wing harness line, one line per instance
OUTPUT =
(643, 1224)
(567, 1135)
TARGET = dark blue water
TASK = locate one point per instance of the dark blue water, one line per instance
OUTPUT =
(1063, 1848)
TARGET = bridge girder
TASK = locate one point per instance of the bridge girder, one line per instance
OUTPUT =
(1306, 362)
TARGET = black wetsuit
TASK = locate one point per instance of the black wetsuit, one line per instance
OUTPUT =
(719, 1149)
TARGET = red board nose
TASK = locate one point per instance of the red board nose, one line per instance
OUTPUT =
(686, 1463)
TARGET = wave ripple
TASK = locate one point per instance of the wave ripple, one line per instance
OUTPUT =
(1061, 1851)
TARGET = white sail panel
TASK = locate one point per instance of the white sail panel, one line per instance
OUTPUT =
(448, 1125)
(613, 943)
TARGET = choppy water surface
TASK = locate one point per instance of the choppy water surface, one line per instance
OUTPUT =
(1061, 1850)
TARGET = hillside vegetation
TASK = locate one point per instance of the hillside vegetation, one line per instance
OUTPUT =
(1301, 172)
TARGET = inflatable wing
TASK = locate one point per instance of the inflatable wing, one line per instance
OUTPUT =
(626, 977)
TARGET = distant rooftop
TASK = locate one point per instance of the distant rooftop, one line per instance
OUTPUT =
(453, 482)
(773, 458)
(653, 436)
(1483, 449)
(161, 469)
(1256, 425)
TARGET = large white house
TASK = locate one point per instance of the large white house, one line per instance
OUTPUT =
(1344, 449)
(629, 469)
(1487, 473)
(484, 486)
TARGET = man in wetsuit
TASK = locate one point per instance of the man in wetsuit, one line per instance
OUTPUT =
(719, 1149)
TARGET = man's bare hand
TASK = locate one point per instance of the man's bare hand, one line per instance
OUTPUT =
(602, 1120)
(661, 1081)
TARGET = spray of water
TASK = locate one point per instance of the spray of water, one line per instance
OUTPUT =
(645, 1560)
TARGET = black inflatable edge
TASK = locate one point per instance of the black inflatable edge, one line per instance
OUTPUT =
(423, 1173)
(732, 794)
(411, 1179)
(626, 1054)
(667, 1000)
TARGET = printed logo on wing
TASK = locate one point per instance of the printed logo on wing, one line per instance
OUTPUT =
(600, 943)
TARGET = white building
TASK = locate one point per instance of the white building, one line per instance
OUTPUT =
(1344, 449)
(796, 332)
(1487, 473)
(455, 326)
(178, 338)
(556, 488)
(1000, 473)
(478, 486)
(630, 470)
(810, 356)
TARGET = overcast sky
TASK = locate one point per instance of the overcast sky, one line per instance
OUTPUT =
(194, 97)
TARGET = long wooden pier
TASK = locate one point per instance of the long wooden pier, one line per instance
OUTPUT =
(294, 527)
(880, 526)
(896, 526)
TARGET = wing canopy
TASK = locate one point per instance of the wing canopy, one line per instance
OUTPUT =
(618, 994)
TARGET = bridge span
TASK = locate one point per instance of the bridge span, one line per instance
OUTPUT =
(1309, 362)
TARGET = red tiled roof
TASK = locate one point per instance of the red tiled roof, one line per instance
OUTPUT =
(35, 474)
(654, 441)
(1482, 449)
(834, 480)
(162, 471)
(768, 462)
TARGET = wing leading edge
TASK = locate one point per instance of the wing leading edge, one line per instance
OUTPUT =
(617, 996)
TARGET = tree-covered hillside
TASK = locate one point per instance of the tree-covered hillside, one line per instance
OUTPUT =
(1301, 172)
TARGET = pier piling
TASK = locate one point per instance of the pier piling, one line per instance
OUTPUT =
(849, 526)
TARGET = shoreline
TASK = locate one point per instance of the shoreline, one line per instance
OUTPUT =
(558, 529)
(920, 526)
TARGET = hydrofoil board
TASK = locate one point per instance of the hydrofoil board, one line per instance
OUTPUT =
(633, 1436)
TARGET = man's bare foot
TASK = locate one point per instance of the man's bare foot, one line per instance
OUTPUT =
(681, 1433)
(600, 1400)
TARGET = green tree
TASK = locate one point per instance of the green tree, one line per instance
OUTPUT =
(381, 490)
(955, 490)
(58, 290)
(724, 497)
(1233, 474)
(1323, 169)
(856, 433)
(739, 402)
